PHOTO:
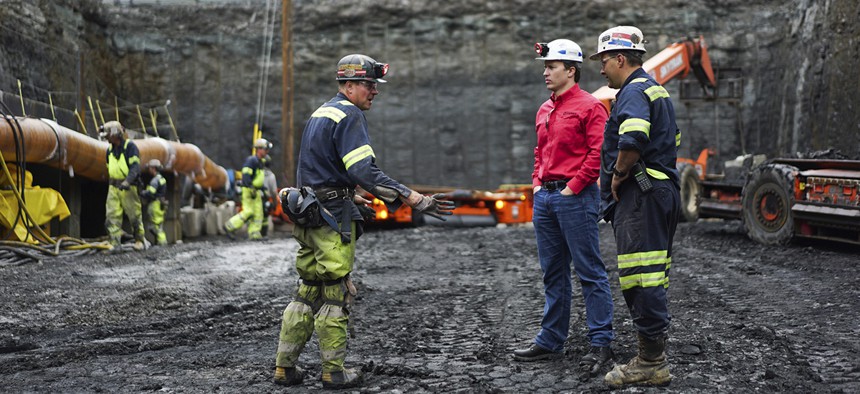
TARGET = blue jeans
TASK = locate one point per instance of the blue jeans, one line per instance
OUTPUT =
(566, 230)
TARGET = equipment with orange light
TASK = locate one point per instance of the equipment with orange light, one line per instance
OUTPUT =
(509, 204)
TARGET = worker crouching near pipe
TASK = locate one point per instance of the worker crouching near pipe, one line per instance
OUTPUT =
(123, 165)
(335, 157)
(155, 195)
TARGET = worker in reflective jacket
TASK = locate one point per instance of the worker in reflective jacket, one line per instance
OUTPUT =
(640, 195)
(123, 165)
(156, 201)
(253, 178)
(334, 157)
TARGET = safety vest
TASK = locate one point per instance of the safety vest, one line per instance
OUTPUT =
(118, 166)
(157, 186)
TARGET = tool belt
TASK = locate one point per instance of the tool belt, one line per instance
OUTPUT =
(304, 207)
(555, 185)
(326, 193)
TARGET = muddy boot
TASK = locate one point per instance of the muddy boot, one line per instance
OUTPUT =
(341, 379)
(289, 376)
(648, 368)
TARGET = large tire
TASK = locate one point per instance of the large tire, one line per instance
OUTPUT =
(691, 189)
(767, 198)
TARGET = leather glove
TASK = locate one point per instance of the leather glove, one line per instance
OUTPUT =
(124, 185)
(435, 206)
(367, 213)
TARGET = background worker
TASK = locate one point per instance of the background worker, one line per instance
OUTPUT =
(252, 202)
(155, 197)
(335, 156)
(269, 193)
(123, 164)
(641, 198)
(569, 128)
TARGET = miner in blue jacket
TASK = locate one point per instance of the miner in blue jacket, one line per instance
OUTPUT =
(335, 156)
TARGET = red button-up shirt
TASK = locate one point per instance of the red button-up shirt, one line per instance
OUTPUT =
(569, 137)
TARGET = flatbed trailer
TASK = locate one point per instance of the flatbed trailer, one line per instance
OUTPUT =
(785, 198)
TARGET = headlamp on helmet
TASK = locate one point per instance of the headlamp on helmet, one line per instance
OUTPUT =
(358, 67)
(541, 48)
(564, 50)
(111, 129)
(262, 143)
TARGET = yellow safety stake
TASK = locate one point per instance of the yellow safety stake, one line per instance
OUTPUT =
(95, 121)
(255, 138)
(21, 96)
(139, 116)
(81, 121)
(99, 106)
(170, 119)
(153, 115)
(51, 102)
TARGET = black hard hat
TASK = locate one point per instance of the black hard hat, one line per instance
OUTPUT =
(358, 67)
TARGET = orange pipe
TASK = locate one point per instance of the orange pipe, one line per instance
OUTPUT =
(46, 142)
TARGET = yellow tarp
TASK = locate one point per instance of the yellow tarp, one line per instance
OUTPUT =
(43, 204)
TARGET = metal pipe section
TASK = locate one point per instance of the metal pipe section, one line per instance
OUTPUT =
(46, 142)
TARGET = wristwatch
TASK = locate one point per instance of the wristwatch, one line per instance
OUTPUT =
(618, 173)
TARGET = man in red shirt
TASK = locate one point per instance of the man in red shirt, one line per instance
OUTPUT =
(569, 130)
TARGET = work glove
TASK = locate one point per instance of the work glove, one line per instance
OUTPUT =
(435, 206)
(124, 185)
(367, 213)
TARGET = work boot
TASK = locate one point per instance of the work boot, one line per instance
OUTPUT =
(289, 376)
(341, 379)
(535, 352)
(595, 360)
(138, 245)
(228, 232)
(648, 368)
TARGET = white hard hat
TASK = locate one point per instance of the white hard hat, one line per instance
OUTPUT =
(262, 143)
(559, 50)
(155, 163)
(619, 38)
(111, 129)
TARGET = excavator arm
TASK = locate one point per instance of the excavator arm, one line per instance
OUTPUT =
(677, 60)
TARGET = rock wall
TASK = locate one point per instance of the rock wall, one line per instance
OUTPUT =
(463, 89)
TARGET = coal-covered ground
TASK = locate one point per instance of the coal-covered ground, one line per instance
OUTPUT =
(439, 310)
